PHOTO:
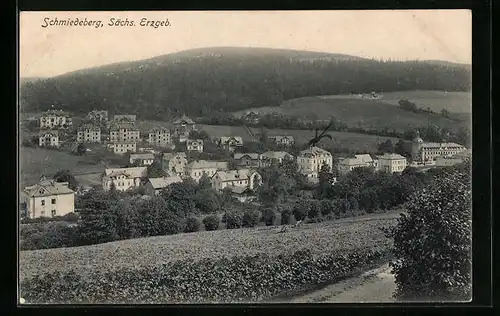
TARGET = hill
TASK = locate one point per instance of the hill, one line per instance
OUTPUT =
(208, 80)
(370, 114)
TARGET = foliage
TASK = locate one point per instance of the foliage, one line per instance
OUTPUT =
(286, 215)
(386, 147)
(49, 235)
(250, 218)
(70, 218)
(276, 186)
(192, 225)
(300, 209)
(233, 219)
(66, 176)
(314, 211)
(81, 149)
(432, 242)
(155, 170)
(211, 222)
(269, 216)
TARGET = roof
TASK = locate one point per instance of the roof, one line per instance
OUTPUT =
(159, 183)
(234, 175)
(195, 141)
(134, 156)
(276, 154)
(391, 157)
(133, 172)
(365, 158)
(124, 116)
(206, 164)
(129, 125)
(225, 139)
(45, 132)
(55, 113)
(314, 151)
(183, 119)
(159, 129)
(254, 156)
(279, 138)
(240, 190)
(47, 188)
(351, 162)
(169, 156)
(88, 126)
(440, 145)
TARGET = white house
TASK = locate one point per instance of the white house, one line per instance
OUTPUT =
(451, 160)
(48, 138)
(174, 163)
(194, 145)
(311, 160)
(274, 157)
(425, 152)
(48, 199)
(88, 133)
(230, 143)
(144, 159)
(391, 163)
(283, 140)
(123, 178)
(124, 132)
(198, 168)
(247, 159)
(155, 185)
(160, 137)
(243, 178)
(55, 119)
(121, 148)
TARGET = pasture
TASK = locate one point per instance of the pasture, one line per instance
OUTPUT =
(342, 236)
(366, 113)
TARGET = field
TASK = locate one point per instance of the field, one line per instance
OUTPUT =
(341, 235)
(35, 162)
(377, 114)
(352, 141)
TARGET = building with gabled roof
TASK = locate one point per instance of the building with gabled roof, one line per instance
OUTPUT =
(247, 159)
(174, 163)
(274, 157)
(428, 152)
(124, 118)
(183, 126)
(196, 169)
(123, 178)
(311, 160)
(283, 140)
(391, 163)
(47, 198)
(88, 133)
(48, 138)
(159, 136)
(230, 143)
(144, 159)
(124, 132)
(155, 185)
(244, 178)
(54, 119)
(194, 145)
(98, 116)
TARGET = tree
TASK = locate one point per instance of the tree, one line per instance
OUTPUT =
(250, 218)
(400, 148)
(432, 243)
(81, 149)
(66, 176)
(386, 147)
(445, 113)
(192, 225)
(324, 189)
(155, 170)
(211, 222)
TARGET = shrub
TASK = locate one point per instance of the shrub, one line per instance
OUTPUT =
(211, 222)
(269, 215)
(192, 225)
(432, 243)
(300, 210)
(286, 216)
(234, 219)
(314, 210)
(250, 218)
(326, 207)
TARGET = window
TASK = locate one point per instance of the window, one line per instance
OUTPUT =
(53, 213)
(53, 201)
(43, 202)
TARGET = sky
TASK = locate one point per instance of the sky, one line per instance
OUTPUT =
(397, 35)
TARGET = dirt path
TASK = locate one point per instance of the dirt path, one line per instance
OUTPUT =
(374, 286)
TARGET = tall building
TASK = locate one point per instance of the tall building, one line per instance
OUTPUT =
(124, 132)
(183, 126)
(428, 152)
(98, 116)
(159, 136)
(88, 133)
(55, 119)
(311, 160)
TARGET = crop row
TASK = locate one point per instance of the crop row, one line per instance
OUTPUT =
(250, 278)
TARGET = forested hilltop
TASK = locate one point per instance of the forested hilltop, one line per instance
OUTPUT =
(203, 81)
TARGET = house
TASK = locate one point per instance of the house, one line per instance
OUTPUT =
(55, 119)
(391, 163)
(283, 140)
(243, 194)
(274, 157)
(154, 185)
(88, 133)
(230, 143)
(123, 178)
(194, 145)
(311, 160)
(98, 116)
(159, 136)
(124, 118)
(251, 117)
(426, 152)
(365, 159)
(48, 138)
(47, 198)
(183, 126)
(143, 159)
(243, 178)
(124, 132)
(198, 168)
(121, 148)
(247, 159)
(346, 165)
(174, 163)
(451, 160)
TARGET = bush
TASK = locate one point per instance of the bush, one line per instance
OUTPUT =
(314, 211)
(269, 215)
(326, 207)
(192, 225)
(432, 243)
(211, 222)
(300, 210)
(250, 218)
(286, 216)
(234, 219)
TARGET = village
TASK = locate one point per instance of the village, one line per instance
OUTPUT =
(239, 176)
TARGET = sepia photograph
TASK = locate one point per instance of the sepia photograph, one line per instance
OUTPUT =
(244, 157)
